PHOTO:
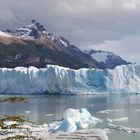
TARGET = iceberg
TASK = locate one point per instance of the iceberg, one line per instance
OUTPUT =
(74, 119)
(61, 80)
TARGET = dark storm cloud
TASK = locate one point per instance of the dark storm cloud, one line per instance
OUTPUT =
(86, 23)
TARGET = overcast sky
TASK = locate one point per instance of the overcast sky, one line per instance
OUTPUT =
(112, 25)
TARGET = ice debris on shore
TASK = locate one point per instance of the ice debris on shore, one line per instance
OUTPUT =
(73, 119)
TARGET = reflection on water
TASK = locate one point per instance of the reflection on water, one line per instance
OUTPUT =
(45, 109)
(40, 106)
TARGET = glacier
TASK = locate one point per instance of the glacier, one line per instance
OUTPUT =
(60, 80)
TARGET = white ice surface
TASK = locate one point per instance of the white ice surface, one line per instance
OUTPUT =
(56, 79)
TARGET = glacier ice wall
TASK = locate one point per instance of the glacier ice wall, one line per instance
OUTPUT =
(56, 79)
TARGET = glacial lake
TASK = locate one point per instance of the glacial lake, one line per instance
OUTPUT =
(46, 109)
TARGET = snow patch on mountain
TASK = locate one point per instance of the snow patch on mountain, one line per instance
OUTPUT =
(4, 34)
(106, 59)
(100, 56)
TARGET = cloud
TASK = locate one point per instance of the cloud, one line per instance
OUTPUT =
(128, 47)
(131, 5)
(84, 22)
(6, 17)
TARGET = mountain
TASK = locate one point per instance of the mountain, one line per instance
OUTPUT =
(106, 59)
(61, 80)
(32, 45)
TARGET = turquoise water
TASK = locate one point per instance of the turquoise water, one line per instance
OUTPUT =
(46, 109)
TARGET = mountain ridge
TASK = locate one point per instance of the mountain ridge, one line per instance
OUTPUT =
(32, 45)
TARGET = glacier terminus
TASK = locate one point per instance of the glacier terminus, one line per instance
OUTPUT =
(60, 80)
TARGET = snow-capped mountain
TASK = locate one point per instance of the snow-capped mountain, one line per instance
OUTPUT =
(34, 31)
(105, 58)
(61, 80)
(33, 45)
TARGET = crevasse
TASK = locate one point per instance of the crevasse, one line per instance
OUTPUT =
(60, 80)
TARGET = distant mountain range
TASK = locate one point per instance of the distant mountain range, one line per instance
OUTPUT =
(32, 45)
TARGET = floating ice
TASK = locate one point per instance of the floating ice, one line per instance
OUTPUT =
(91, 105)
(49, 115)
(74, 119)
(123, 119)
(123, 128)
(104, 112)
(110, 110)
(27, 112)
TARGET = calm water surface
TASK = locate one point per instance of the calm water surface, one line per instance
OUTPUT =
(41, 106)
